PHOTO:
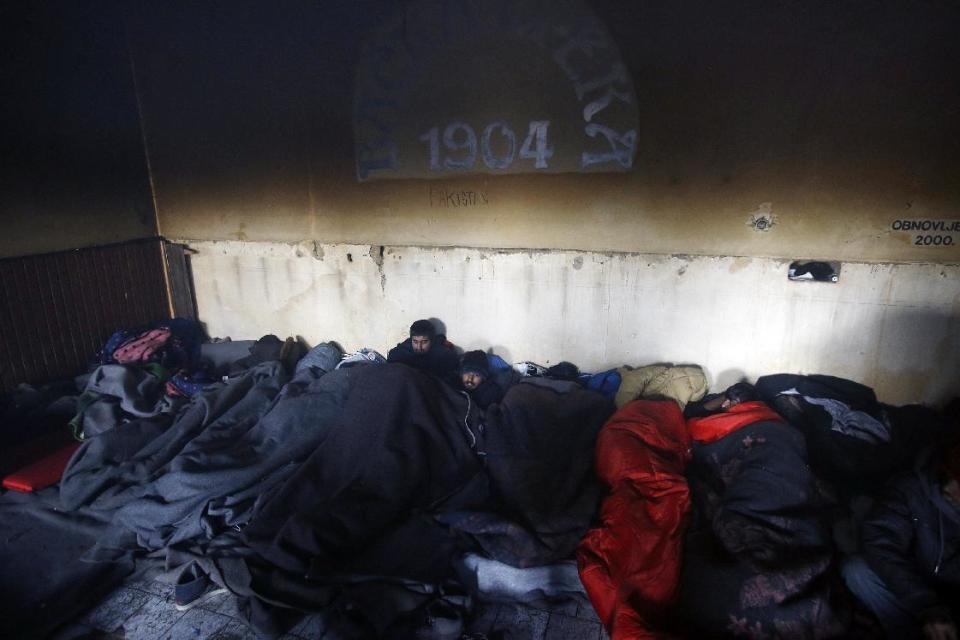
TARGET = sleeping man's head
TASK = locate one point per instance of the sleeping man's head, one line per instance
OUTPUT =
(740, 392)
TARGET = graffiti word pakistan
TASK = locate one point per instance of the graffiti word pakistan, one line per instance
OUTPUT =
(464, 198)
(940, 231)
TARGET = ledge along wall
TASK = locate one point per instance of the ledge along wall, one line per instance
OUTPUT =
(763, 136)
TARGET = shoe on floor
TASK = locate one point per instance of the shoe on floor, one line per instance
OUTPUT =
(193, 587)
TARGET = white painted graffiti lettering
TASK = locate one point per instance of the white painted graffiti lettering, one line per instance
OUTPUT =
(459, 137)
(621, 146)
(468, 144)
(489, 159)
(417, 38)
(535, 145)
(585, 41)
(617, 76)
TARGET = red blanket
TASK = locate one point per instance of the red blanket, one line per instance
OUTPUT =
(630, 565)
(713, 427)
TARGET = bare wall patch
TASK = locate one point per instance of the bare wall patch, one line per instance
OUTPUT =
(376, 254)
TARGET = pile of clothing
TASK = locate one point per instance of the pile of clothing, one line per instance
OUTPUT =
(757, 490)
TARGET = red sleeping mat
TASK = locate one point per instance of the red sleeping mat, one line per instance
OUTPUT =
(23, 453)
(41, 474)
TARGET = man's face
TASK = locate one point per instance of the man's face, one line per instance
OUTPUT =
(421, 344)
(471, 379)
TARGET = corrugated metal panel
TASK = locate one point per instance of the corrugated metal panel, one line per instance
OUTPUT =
(57, 309)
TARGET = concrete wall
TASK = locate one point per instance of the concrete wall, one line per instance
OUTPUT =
(893, 327)
(833, 124)
(766, 132)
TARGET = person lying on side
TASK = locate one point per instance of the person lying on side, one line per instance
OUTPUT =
(720, 402)
(758, 552)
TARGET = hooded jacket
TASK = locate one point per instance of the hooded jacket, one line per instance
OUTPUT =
(441, 359)
(912, 541)
(495, 382)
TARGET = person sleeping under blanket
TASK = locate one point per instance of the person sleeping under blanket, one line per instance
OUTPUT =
(630, 562)
(758, 553)
(405, 480)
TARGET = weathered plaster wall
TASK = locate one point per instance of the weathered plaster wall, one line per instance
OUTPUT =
(829, 123)
(893, 327)
(834, 123)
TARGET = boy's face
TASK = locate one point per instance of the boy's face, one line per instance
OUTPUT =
(471, 379)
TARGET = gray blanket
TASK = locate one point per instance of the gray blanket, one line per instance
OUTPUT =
(279, 488)
(116, 393)
(204, 472)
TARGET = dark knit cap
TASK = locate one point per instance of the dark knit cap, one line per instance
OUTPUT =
(742, 392)
(423, 328)
(475, 362)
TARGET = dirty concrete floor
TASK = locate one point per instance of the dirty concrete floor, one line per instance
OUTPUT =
(144, 611)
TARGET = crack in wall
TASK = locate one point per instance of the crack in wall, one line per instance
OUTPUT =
(376, 254)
